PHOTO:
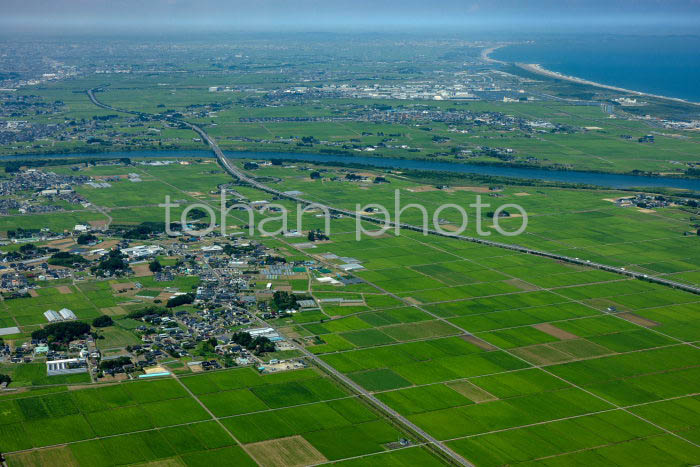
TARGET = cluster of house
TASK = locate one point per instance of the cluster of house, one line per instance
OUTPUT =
(12, 281)
(643, 201)
(43, 186)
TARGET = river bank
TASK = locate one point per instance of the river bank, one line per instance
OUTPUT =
(606, 180)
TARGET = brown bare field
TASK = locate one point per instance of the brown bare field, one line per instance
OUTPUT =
(474, 189)
(290, 332)
(141, 270)
(645, 210)
(422, 188)
(104, 177)
(472, 392)
(382, 235)
(164, 296)
(64, 289)
(98, 223)
(195, 368)
(285, 452)
(113, 311)
(412, 300)
(169, 462)
(114, 379)
(33, 293)
(522, 193)
(636, 319)
(63, 245)
(542, 354)
(555, 331)
(450, 227)
(478, 342)
(522, 285)
(77, 387)
(121, 286)
(53, 456)
(107, 244)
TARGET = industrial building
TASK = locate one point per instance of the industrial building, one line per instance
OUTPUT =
(66, 367)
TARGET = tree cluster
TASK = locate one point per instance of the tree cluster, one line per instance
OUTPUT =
(65, 259)
(113, 262)
(178, 300)
(149, 311)
(155, 266)
(207, 347)
(257, 345)
(62, 333)
(284, 300)
(115, 363)
(86, 238)
(317, 235)
(102, 321)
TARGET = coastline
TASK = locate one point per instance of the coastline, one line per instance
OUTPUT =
(486, 54)
(540, 70)
(536, 68)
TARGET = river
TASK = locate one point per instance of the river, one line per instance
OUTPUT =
(589, 178)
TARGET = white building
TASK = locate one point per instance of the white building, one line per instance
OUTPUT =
(67, 314)
(52, 315)
(66, 367)
(142, 251)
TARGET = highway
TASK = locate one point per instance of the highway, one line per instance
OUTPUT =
(237, 173)
(243, 177)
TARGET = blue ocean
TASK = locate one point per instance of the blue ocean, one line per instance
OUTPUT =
(667, 65)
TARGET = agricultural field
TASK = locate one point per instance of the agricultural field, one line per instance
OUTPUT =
(572, 222)
(88, 300)
(196, 420)
(589, 139)
(502, 357)
(361, 346)
(485, 349)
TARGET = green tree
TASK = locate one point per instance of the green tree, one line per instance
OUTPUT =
(178, 300)
(65, 259)
(155, 266)
(113, 262)
(84, 239)
(102, 321)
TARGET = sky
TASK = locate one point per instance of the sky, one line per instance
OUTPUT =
(334, 14)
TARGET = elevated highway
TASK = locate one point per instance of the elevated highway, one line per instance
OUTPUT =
(243, 177)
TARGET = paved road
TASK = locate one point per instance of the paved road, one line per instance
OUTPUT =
(240, 175)
(237, 173)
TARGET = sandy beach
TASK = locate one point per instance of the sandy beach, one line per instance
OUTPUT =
(486, 54)
(536, 68)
